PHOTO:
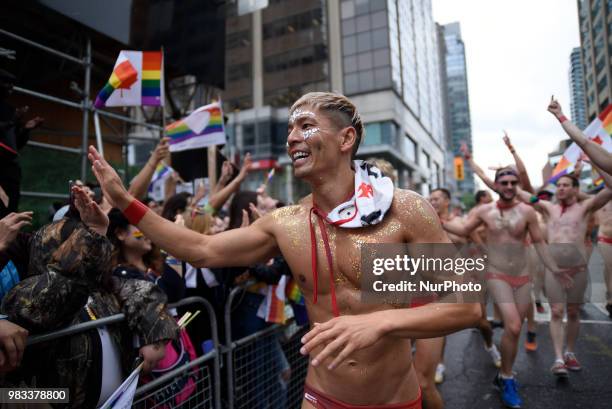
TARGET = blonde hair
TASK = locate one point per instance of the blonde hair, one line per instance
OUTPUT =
(337, 104)
(385, 167)
(198, 220)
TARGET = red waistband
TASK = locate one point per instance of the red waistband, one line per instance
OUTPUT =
(514, 281)
(321, 401)
(604, 239)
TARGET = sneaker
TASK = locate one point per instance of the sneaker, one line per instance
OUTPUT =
(496, 324)
(495, 355)
(571, 362)
(559, 369)
(509, 391)
(540, 308)
(439, 377)
(531, 344)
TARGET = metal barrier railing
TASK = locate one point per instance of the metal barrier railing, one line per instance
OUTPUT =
(205, 371)
(264, 369)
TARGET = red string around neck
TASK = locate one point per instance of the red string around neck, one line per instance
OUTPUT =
(328, 254)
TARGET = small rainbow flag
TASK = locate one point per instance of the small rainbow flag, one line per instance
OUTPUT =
(270, 175)
(162, 171)
(274, 310)
(137, 79)
(202, 128)
(294, 294)
(598, 131)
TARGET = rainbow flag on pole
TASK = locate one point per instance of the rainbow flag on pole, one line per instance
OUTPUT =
(202, 128)
(137, 79)
(162, 171)
(598, 131)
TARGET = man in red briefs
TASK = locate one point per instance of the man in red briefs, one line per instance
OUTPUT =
(354, 347)
(567, 226)
(507, 222)
(604, 245)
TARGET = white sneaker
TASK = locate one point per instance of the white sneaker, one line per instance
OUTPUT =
(495, 355)
(439, 378)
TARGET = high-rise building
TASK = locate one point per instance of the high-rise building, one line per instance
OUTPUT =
(459, 122)
(595, 19)
(383, 54)
(576, 82)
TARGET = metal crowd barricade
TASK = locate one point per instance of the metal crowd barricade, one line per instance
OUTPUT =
(161, 392)
(255, 365)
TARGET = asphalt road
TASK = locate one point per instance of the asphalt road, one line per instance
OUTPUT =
(470, 372)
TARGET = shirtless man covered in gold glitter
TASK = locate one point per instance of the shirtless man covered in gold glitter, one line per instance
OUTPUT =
(354, 347)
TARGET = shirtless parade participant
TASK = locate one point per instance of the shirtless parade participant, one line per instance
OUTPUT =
(534, 265)
(354, 347)
(507, 222)
(604, 245)
(602, 159)
(567, 225)
(440, 200)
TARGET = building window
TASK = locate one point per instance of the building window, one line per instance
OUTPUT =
(365, 46)
(409, 148)
(292, 24)
(602, 83)
(380, 133)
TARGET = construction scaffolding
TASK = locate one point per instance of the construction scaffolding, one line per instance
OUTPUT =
(85, 105)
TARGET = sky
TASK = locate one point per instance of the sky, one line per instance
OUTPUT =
(517, 55)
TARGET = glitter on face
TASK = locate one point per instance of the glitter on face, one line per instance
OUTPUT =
(298, 113)
(310, 132)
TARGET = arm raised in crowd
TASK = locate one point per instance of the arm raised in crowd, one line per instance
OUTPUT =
(218, 198)
(62, 272)
(477, 169)
(520, 166)
(239, 247)
(140, 183)
(598, 155)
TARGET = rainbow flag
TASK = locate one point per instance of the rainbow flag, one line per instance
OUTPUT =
(273, 307)
(203, 127)
(294, 294)
(598, 131)
(162, 171)
(137, 79)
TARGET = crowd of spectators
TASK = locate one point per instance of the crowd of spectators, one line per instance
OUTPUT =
(90, 263)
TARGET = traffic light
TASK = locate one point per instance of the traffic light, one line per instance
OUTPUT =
(459, 174)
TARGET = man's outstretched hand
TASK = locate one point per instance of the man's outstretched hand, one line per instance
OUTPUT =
(554, 107)
(91, 214)
(465, 151)
(109, 180)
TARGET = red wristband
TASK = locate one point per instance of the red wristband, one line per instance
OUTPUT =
(135, 212)
(562, 118)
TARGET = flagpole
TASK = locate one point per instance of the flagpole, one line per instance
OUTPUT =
(167, 160)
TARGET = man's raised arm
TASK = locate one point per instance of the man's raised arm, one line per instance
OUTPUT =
(520, 166)
(477, 169)
(239, 247)
(598, 155)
